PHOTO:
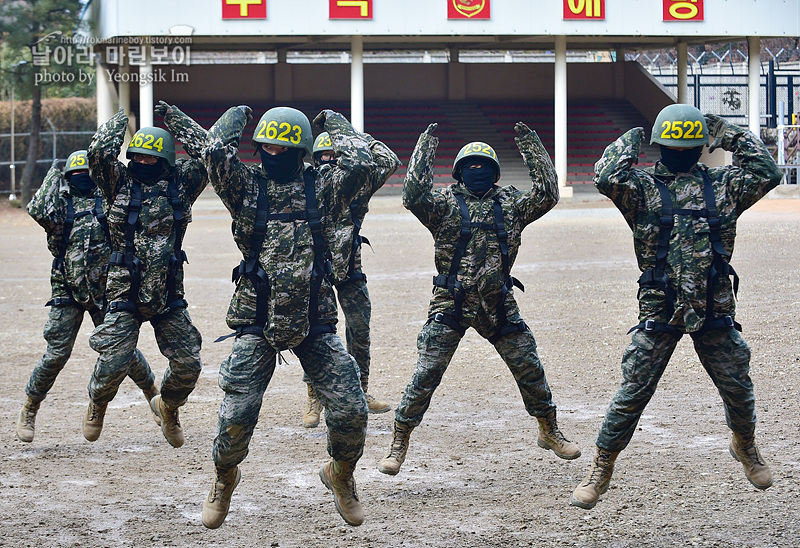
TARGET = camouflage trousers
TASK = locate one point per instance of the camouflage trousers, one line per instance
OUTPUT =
(60, 332)
(725, 357)
(436, 345)
(354, 300)
(245, 374)
(115, 340)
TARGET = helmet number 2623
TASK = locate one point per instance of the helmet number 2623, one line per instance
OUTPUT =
(280, 132)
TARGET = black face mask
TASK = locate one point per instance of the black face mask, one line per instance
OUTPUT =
(281, 167)
(478, 180)
(680, 161)
(146, 173)
(82, 183)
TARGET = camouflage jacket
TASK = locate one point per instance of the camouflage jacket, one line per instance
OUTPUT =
(156, 232)
(83, 277)
(689, 259)
(480, 270)
(341, 233)
(287, 254)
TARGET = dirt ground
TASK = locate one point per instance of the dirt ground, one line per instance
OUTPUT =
(474, 476)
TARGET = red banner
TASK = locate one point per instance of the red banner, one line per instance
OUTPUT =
(683, 10)
(468, 9)
(350, 9)
(585, 9)
(244, 9)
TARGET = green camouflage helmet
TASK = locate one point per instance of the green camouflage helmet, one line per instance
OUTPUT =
(76, 162)
(323, 143)
(475, 150)
(680, 126)
(153, 141)
(286, 127)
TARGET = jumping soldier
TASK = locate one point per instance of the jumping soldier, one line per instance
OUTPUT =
(73, 215)
(683, 217)
(350, 281)
(284, 298)
(150, 203)
(477, 227)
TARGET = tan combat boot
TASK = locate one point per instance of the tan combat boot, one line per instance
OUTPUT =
(596, 482)
(218, 501)
(375, 406)
(397, 452)
(338, 477)
(26, 422)
(550, 437)
(313, 409)
(93, 420)
(743, 448)
(170, 424)
(149, 394)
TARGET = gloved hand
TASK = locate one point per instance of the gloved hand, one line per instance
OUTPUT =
(522, 129)
(319, 119)
(247, 111)
(431, 128)
(162, 108)
(633, 139)
(526, 141)
(716, 131)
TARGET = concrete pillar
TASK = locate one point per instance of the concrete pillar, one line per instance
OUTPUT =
(124, 91)
(146, 91)
(105, 95)
(560, 107)
(754, 85)
(283, 80)
(357, 83)
(683, 69)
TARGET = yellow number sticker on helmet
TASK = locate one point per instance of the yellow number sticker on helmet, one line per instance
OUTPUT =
(159, 144)
(78, 160)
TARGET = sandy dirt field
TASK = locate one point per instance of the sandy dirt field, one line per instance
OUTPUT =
(474, 476)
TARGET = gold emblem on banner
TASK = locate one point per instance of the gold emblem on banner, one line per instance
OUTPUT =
(469, 8)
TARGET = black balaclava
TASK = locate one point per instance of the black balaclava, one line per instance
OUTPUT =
(82, 183)
(146, 173)
(478, 180)
(680, 161)
(281, 167)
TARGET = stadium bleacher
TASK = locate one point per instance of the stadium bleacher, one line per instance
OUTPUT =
(591, 127)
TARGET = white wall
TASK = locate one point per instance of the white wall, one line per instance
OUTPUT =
(723, 18)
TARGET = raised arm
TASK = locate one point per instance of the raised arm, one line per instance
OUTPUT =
(226, 171)
(614, 174)
(544, 183)
(104, 168)
(386, 163)
(350, 175)
(755, 173)
(194, 139)
(46, 207)
(189, 133)
(418, 195)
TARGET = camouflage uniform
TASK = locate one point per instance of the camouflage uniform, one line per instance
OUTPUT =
(723, 353)
(480, 273)
(350, 281)
(78, 283)
(154, 241)
(287, 256)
